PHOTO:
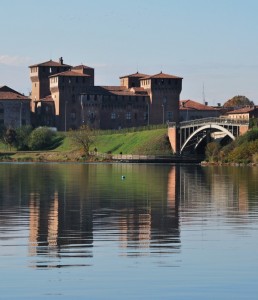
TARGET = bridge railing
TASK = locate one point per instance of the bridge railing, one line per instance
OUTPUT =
(214, 120)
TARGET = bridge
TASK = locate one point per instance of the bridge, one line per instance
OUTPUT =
(187, 136)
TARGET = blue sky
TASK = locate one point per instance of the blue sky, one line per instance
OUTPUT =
(214, 43)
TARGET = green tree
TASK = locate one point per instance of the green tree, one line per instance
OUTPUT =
(41, 138)
(83, 137)
(23, 134)
(239, 101)
(9, 137)
(212, 151)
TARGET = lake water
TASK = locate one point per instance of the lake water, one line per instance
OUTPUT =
(128, 231)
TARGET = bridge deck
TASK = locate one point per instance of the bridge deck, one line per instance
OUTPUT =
(206, 121)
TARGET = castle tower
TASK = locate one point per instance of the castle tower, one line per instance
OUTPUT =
(39, 75)
(132, 80)
(164, 91)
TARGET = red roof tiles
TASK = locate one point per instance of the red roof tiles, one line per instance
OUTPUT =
(162, 75)
(81, 67)
(7, 93)
(193, 105)
(242, 110)
(50, 63)
(69, 73)
(137, 74)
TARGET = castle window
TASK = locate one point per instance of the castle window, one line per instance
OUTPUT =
(170, 116)
(76, 79)
(73, 98)
(169, 81)
(88, 97)
(135, 116)
(113, 115)
(95, 97)
(156, 81)
(128, 116)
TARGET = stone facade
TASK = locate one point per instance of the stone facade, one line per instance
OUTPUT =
(14, 108)
(74, 100)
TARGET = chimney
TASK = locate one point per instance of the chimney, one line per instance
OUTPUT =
(219, 104)
(206, 103)
(61, 60)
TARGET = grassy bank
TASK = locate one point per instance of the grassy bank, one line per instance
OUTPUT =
(144, 142)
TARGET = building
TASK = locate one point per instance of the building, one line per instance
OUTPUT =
(66, 97)
(243, 113)
(14, 108)
(191, 110)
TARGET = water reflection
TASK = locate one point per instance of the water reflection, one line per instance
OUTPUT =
(71, 209)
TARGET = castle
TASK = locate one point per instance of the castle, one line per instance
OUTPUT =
(66, 97)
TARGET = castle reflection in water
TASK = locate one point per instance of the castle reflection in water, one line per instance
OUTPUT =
(80, 206)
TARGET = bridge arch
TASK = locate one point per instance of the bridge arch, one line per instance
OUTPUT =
(202, 128)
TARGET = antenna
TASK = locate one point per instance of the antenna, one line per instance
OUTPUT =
(203, 95)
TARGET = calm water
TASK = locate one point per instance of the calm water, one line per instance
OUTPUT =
(80, 231)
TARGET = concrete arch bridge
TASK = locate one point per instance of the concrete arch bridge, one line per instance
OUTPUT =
(188, 136)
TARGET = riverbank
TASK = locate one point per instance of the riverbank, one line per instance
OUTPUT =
(231, 164)
(78, 156)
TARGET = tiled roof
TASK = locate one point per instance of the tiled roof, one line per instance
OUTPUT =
(242, 110)
(163, 75)
(81, 67)
(194, 105)
(50, 63)
(69, 73)
(7, 93)
(113, 87)
(111, 90)
(137, 74)
(138, 90)
(47, 99)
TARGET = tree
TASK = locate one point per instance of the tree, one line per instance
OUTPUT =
(212, 151)
(83, 138)
(238, 101)
(41, 138)
(9, 137)
(23, 134)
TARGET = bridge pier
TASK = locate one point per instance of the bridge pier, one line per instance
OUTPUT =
(173, 136)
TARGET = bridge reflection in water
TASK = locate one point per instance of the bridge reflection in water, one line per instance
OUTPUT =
(187, 136)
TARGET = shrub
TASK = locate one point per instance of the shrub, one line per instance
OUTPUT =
(244, 152)
(9, 137)
(212, 151)
(41, 138)
(251, 135)
(22, 138)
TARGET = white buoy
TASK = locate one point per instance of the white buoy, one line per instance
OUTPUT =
(123, 176)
